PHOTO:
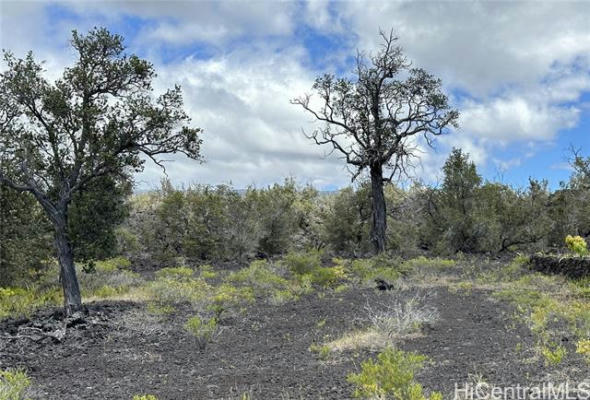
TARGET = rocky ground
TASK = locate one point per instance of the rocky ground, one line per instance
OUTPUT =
(118, 349)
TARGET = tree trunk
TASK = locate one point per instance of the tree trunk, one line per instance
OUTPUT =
(67, 273)
(378, 209)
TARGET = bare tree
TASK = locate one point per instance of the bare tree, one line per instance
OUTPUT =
(57, 138)
(372, 120)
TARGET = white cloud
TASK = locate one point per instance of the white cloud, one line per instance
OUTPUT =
(517, 71)
(183, 22)
(252, 132)
(504, 120)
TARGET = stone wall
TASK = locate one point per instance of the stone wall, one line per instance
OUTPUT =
(572, 267)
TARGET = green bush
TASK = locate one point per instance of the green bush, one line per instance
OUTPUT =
(382, 266)
(227, 296)
(328, 276)
(144, 397)
(107, 278)
(206, 272)
(13, 384)
(202, 330)
(112, 264)
(280, 297)
(302, 263)
(424, 262)
(391, 376)
(277, 214)
(168, 291)
(16, 302)
(346, 221)
(576, 244)
(323, 352)
(178, 273)
(553, 354)
(260, 276)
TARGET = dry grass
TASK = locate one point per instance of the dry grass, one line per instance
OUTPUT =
(390, 320)
(367, 339)
(396, 317)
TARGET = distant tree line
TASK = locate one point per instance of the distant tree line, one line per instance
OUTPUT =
(219, 223)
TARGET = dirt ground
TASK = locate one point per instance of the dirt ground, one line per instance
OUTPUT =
(120, 350)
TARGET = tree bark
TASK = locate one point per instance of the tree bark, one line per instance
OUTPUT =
(67, 273)
(379, 225)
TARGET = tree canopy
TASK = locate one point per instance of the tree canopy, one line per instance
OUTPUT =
(99, 119)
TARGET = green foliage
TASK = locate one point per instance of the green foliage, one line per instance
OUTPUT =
(278, 216)
(452, 207)
(144, 397)
(404, 218)
(25, 236)
(328, 276)
(112, 264)
(260, 276)
(227, 296)
(577, 245)
(202, 330)
(108, 278)
(13, 384)
(553, 355)
(95, 214)
(323, 352)
(87, 132)
(390, 376)
(207, 272)
(368, 269)
(302, 263)
(171, 290)
(346, 221)
(583, 348)
(280, 297)
(424, 262)
(464, 215)
(16, 302)
(179, 273)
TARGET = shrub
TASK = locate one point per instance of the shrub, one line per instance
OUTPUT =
(433, 263)
(302, 263)
(227, 296)
(346, 221)
(144, 397)
(391, 376)
(167, 291)
(583, 347)
(277, 216)
(13, 384)
(400, 317)
(553, 356)
(280, 297)
(576, 244)
(382, 266)
(260, 276)
(178, 273)
(18, 301)
(202, 330)
(323, 352)
(112, 264)
(207, 272)
(109, 278)
(328, 276)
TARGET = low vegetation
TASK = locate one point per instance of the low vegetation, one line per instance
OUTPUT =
(391, 376)
(202, 330)
(13, 384)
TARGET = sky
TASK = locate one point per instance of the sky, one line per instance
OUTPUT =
(518, 72)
